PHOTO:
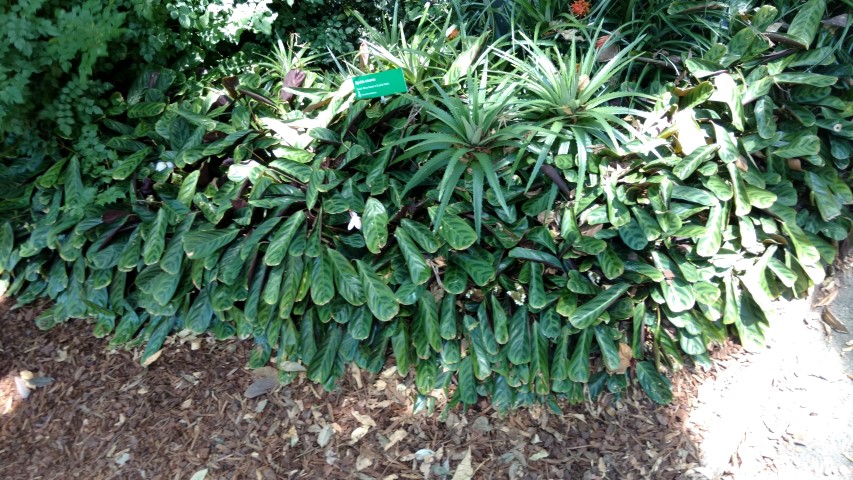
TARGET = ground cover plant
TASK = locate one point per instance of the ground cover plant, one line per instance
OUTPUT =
(597, 196)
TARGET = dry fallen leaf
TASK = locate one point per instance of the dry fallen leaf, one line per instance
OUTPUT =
(395, 438)
(362, 462)
(363, 419)
(464, 471)
(291, 367)
(538, 455)
(122, 459)
(261, 386)
(325, 435)
(625, 357)
(199, 475)
(830, 319)
(23, 389)
(153, 358)
(60, 355)
(827, 297)
(358, 433)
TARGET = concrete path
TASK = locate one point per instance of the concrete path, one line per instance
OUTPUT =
(785, 412)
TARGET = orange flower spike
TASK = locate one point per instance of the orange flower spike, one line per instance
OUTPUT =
(580, 8)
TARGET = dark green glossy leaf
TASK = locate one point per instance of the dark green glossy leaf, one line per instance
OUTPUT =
(805, 24)
(610, 263)
(374, 225)
(579, 363)
(478, 264)
(656, 386)
(155, 239)
(536, 256)
(690, 163)
(347, 280)
(457, 232)
(499, 318)
(455, 279)
(708, 244)
(422, 235)
(419, 271)
(536, 289)
(322, 280)
(608, 348)
(633, 236)
(380, 298)
(200, 244)
(518, 348)
(200, 314)
(588, 313)
(447, 325)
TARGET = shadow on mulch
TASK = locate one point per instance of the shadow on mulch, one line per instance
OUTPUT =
(104, 416)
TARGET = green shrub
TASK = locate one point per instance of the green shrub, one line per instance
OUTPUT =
(527, 234)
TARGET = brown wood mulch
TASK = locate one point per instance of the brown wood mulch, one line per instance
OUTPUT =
(104, 416)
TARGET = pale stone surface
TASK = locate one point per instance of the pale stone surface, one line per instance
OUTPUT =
(784, 412)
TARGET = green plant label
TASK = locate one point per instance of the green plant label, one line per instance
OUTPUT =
(379, 84)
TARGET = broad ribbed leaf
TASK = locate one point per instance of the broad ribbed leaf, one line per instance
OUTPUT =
(805, 24)
(200, 244)
(447, 326)
(610, 263)
(633, 236)
(155, 239)
(579, 284)
(294, 267)
(162, 327)
(708, 244)
(726, 90)
(706, 292)
(347, 280)
(457, 232)
(589, 312)
(272, 287)
(536, 256)
(499, 320)
(656, 385)
(145, 109)
(467, 384)
(419, 271)
(764, 119)
(455, 279)
(550, 323)
(129, 165)
(826, 201)
(536, 290)
(322, 281)
(380, 298)
(281, 239)
(374, 224)
(327, 353)
(590, 245)
(690, 163)
(258, 234)
(422, 235)
(426, 318)
(579, 363)
(607, 347)
(742, 205)
(200, 314)
(518, 348)
(647, 223)
(678, 294)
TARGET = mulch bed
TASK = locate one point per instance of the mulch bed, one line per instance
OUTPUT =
(104, 416)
